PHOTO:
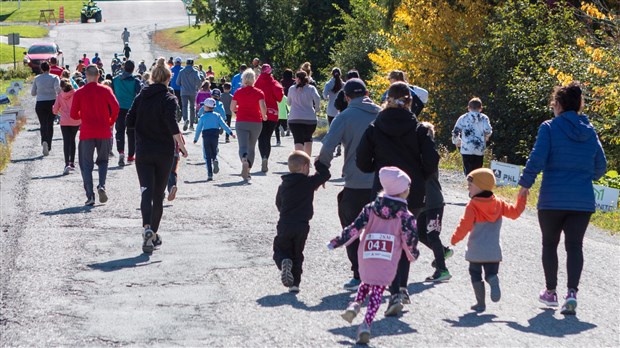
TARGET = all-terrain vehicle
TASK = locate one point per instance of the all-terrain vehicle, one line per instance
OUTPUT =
(90, 10)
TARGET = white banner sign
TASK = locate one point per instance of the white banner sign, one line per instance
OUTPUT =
(506, 174)
(606, 198)
(9, 117)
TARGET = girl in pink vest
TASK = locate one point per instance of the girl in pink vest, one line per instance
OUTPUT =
(384, 227)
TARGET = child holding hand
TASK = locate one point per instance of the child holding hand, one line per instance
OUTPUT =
(384, 227)
(483, 218)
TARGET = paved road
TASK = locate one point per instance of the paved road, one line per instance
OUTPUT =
(75, 276)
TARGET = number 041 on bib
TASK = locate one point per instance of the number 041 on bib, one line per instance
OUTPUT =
(378, 246)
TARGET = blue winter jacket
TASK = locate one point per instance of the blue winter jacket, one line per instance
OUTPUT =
(175, 75)
(569, 154)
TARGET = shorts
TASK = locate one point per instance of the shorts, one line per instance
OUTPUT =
(302, 133)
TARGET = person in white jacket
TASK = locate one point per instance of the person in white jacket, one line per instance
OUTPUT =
(471, 133)
(305, 103)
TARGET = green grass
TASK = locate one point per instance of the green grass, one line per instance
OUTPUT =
(31, 31)
(187, 39)
(6, 54)
(216, 64)
(30, 10)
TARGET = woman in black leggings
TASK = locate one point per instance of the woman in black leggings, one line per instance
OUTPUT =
(45, 87)
(152, 115)
(569, 154)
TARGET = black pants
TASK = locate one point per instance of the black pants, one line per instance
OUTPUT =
(172, 178)
(177, 93)
(574, 225)
(153, 173)
(475, 270)
(429, 228)
(281, 123)
(120, 135)
(350, 204)
(68, 142)
(402, 273)
(289, 243)
(264, 139)
(46, 120)
(471, 162)
(228, 122)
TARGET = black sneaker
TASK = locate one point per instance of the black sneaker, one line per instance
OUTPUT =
(90, 202)
(157, 242)
(103, 196)
(148, 236)
(287, 273)
(394, 306)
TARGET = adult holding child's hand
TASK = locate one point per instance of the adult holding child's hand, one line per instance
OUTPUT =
(569, 154)
(153, 116)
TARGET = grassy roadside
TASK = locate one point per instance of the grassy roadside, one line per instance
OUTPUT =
(6, 54)
(31, 31)
(192, 41)
(29, 11)
(609, 221)
(19, 74)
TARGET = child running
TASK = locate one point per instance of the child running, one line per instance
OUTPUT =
(483, 217)
(384, 227)
(294, 202)
(209, 126)
(226, 98)
(68, 126)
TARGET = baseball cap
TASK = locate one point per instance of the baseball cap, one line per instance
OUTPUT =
(354, 86)
(209, 102)
(178, 60)
(216, 92)
(189, 61)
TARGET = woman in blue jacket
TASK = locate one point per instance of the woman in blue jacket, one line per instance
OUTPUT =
(569, 154)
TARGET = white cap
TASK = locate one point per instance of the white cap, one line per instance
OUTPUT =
(178, 60)
(209, 102)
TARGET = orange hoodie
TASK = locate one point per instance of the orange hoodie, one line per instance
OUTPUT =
(489, 209)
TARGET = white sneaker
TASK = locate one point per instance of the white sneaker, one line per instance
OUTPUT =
(265, 165)
(121, 159)
(66, 171)
(148, 236)
(293, 289)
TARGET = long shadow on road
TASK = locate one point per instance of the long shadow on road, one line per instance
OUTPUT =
(71, 210)
(130, 262)
(27, 159)
(328, 303)
(383, 327)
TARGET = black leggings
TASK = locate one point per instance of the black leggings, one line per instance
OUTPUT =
(281, 123)
(471, 162)
(68, 142)
(429, 228)
(46, 120)
(120, 135)
(475, 270)
(402, 274)
(574, 225)
(153, 172)
(264, 139)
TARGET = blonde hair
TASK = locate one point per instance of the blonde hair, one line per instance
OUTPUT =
(248, 77)
(398, 96)
(161, 72)
(296, 160)
(146, 76)
(307, 67)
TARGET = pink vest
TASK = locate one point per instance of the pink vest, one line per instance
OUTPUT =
(380, 248)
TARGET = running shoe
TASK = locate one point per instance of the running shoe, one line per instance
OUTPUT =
(265, 165)
(363, 333)
(439, 276)
(447, 253)
(157, 242)
(570, 303)
(394, 306)
(121, 159)
(131, 159)
(148, 236)
(351, 312)
(549, 298)
(103, 196)
(210, 178)
(293, 289)
(185, 125)
(404, 296)
(46, 148)
(352, 285)
(173, 193)
(216, 166)
(90, 201)
(287, 273)
(278, 143)
(66, 170)
(245, 169)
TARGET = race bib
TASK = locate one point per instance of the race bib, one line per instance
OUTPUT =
(378, 246)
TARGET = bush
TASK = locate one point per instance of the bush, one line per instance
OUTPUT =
(21, 73)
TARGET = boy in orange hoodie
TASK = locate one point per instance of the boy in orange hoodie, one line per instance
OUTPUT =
(483, 218)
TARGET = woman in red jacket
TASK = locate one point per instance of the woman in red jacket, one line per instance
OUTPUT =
(273, 94)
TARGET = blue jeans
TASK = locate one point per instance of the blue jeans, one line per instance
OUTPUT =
(86, 151)
(209, 144)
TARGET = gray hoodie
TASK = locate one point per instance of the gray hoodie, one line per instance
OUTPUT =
(348, 128)
(189, 81)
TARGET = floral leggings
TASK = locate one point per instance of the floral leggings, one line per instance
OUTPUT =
(376, 294)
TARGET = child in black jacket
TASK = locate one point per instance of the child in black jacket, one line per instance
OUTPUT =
(294, 202)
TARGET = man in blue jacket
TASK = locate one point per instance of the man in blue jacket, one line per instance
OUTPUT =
(125, 86)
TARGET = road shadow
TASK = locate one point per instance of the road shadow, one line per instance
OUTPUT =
(328, 303)
(33, 129)
(71, 210)
(280, 173)
(472, 319)
(6, 15)
(47, 177)
(546, 324)
(195, 182)
(27, 159)
(385, 327)
(235, 183)
(130, 262)
(416, 288)
(457, 204)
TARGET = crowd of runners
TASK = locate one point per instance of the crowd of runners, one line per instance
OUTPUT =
(392, 197)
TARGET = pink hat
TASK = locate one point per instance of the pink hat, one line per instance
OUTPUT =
(266, 69)
(394, 180)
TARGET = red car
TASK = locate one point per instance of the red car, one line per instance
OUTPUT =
(41, 52)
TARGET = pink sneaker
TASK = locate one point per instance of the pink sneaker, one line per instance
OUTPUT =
(549, 298)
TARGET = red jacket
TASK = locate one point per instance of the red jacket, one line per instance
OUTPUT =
(97, 107)
(56, 70)
(273, 94)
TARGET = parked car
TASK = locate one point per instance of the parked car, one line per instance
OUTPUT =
(40, 52)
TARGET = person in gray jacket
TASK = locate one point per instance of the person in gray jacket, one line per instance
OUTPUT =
(45, 87)
(305, 102)
(189, 81)
(348, 128)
